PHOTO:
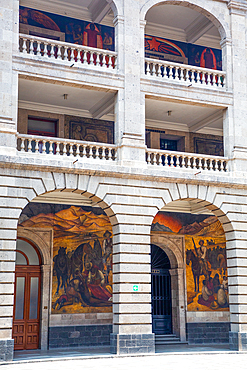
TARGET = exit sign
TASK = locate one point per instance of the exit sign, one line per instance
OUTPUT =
(135, 288)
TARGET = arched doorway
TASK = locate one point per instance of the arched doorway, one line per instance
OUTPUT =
(161, 292)
(26, 322)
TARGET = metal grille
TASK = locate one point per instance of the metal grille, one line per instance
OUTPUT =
(161, 291)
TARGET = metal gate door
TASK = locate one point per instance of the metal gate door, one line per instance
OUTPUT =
(161, 292)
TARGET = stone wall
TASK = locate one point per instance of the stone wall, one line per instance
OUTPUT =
(79, 336)
(208, 332)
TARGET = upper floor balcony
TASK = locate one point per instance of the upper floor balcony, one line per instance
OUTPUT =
(182, 47)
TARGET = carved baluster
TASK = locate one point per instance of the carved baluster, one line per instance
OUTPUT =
(103, 152)
(213, 79)
(24, 45)
(59, 54)
(51, 147)
(159, 69)
(70, 149)
(176, 76)
(29, 145)
(39, 50)
(183, 161)
(210, 164)
(84, 59)
(97, 59)
(104, 61)
(90, 154)
(43, 146)
(148, 157)
(167, 71)
(91, 58)
(200, 163)
(149, 69)
(31, 48)
(64, 149)
(57, 146)
(165, 160)
(77, 153)
(22, 145)
(36, 149)
(97, 152)
(182, 73)
(185, 74)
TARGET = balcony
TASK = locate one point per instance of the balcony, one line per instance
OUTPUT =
(69, 54)
(185, 74)
(100, 152)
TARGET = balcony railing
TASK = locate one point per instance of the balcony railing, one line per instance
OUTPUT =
(62, 51)
(180, 160)
(81, 150)
(185, 74)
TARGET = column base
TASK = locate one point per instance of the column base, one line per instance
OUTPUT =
(122, 344)
(6, 349)
(238, 341)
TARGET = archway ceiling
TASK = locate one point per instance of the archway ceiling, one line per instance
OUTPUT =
(192, 206)
(98, 11)
(182, 24)
(46, 97)
(184, 117)
(65, 197)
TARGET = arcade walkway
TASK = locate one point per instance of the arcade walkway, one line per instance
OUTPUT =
(189, 358)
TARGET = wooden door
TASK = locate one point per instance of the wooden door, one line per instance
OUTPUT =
(26, 307)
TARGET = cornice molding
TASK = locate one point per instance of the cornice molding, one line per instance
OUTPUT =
(237, 7)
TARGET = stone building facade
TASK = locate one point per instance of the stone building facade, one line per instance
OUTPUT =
(134, 123)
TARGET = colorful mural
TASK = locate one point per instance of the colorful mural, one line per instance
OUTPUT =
(192, 54)
(205, 256)
(76, 31)
(82, 255)
(100, 36)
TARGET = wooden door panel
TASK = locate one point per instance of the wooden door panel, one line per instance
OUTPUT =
(26, 331)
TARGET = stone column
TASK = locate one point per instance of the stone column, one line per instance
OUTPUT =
(130, 115)
(236, 66)
(132, 321)
(9, 10)
(237, 277)
(7, 278)
(45, 305)
(178, 302)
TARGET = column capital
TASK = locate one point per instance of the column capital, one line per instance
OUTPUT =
(237, 7)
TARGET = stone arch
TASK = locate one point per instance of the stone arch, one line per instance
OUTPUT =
(173, 246)
(209, 11)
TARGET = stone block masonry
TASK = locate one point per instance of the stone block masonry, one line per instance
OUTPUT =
(132, 343)
(209, 332)
(79, 336)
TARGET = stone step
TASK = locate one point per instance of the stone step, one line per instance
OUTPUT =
(168, 339)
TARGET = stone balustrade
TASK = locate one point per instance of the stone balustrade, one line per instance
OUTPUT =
(62, 51)
(184, 73)
(51, 146)
(181, 160)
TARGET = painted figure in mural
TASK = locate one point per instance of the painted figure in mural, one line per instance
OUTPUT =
(92, 36)
(195, 266)
(107, 42)
(107, 252)
(207, 297)
(61, 268)
(222, 298)
(96, 282)
(70, 297)
(77, 35)
(225, 283)
(201, 253)
(208, 59)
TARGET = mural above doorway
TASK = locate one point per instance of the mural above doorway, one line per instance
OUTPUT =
(205, 257)
(82, 255)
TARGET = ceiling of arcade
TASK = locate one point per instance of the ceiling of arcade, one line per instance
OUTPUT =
(169, 21)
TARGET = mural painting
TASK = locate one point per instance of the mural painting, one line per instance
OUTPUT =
(82, 255)
(205, 257)
(100, 36)
(181, 52)
(76, 31)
